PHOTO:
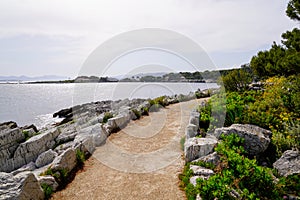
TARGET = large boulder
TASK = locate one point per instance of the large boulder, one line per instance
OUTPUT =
(191, 131)
(66, 161)
(23, 186)
(197, 147)
(256, 139)
(288, 163)
(118, 122)
(45, 158)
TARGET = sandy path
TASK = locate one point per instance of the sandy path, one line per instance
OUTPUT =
(140, 162)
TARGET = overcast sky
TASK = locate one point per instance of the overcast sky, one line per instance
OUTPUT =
(56, 36)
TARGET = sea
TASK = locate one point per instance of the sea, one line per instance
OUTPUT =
(35, 103)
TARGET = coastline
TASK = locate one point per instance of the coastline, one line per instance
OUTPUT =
(55, 151)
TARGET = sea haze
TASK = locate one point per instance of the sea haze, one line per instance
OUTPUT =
(35, 103)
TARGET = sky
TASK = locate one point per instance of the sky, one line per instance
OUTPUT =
(55, 37)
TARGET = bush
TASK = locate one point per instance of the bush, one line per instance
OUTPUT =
(48, 190)
(237, 173)
(145, 111)
(80, 156)
(277, 108)
(136, 113)
(107, 116)
(182, 141)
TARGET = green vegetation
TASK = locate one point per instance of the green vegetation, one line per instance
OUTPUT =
(136, 113)
(273, 105)
(182, 141)
(107, 116)
(80, 156)
(27, 136)
(237, 174)
(157, 103)
(48, 190)
(145, 111)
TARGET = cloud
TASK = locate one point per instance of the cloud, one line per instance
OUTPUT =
(80, 26)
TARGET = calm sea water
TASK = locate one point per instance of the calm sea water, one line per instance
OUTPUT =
(35, 103)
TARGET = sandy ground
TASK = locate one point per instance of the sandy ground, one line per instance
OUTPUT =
(142, 161)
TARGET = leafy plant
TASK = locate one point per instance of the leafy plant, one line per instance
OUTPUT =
(182, 141)
(48, 190)
(107, 116)
(80, 156)
(237, 174)
(136, 113)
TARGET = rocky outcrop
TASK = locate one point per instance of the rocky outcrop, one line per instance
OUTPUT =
(197, 147)
(22, 186)
(29, 150)
(256, 139)
(288, 163)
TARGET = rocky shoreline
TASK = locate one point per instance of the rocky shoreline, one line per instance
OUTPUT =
(34, 163)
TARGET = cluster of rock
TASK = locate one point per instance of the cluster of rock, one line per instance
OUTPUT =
(31, 158)
(256, 142)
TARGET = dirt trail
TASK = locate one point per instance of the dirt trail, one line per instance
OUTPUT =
(142, 161)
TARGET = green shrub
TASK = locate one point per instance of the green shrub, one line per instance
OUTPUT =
(107, 116)
(185, 184)
(290, 184)
(26, 134)
(237, 173)
(145, 111)
(80, 156)
(136, 113)
(48, 190)
(206, 165)
(182, 141)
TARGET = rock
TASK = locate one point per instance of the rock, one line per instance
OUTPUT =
(191, 131)
(62, 147)
(68, 133)
(85, 143)
(212, 158)
(29, 167)
(98, 133)
(288, 163)
(23, 186)
(198, 197)
(197, 147)
(193, 180)
(33, 127)
(64, 113)
(10, 137)
(48, 180)
(28, 133)
(9, 124)
(65, 161)
(118, 122)
(256, 138)
(201, 171)
(45, 158)
(194, 118)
